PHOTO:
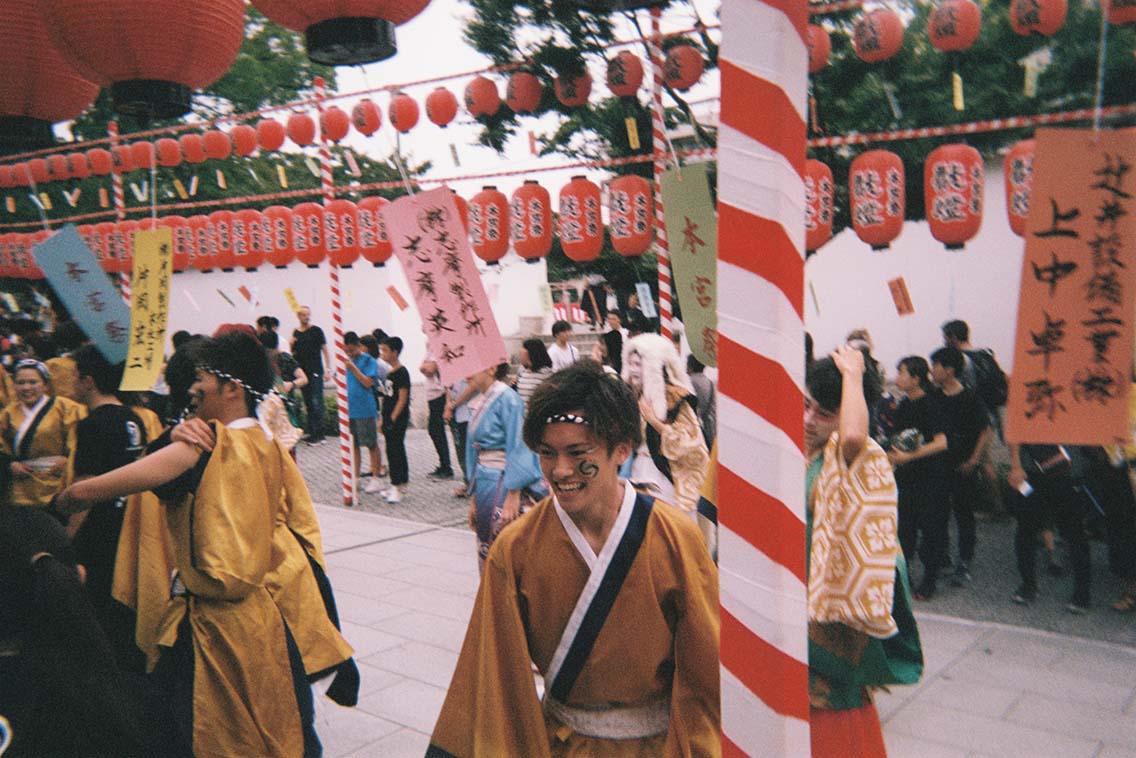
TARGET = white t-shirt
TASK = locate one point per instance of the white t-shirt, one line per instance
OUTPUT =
(562, 357)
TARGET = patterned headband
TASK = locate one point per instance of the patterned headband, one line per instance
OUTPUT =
(566, 418)
(38, 366)
(225, 376)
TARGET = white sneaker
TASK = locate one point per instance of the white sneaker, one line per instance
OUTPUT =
(372, 485)
(393, 496)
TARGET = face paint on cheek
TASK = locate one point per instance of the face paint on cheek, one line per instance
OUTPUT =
(588, 469)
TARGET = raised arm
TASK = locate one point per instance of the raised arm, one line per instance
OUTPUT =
(853, 426)
(146, 473)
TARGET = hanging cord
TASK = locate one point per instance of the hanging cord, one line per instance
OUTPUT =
(154, 192)
(398, 162)
(1102, 53)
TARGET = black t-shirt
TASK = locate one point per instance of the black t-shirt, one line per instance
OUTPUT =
(396, 380)
(307, 349)
(965, 418)
(924, 414)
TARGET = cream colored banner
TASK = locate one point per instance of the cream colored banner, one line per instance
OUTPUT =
(149, 308)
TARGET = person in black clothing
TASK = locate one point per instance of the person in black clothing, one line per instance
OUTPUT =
(968, 433)
(309, 348)
(396, 417)
(921, 472)
(180, 373)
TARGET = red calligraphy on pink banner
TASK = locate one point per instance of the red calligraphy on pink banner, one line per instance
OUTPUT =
(430, 243)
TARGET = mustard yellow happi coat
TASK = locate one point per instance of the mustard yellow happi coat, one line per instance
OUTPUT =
(660, 639)
(54, 435)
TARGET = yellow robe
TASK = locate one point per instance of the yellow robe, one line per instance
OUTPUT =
(55, 435)
(7, 389)
(64, 377)
(660, 639)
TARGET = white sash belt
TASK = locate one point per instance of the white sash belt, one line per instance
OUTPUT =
(615, 722)
(493, 459)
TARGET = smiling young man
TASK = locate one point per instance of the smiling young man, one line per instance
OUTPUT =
(612, 596)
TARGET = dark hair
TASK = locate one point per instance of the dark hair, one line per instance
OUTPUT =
(606, 402)
(268, 322)
(370, 343)
(181, 336)
(68, 336)
(917, 367)
(561, 326)
(957, 330)
(637, 323)
(394, 343)
(826, 384)
(501, 371)
(538, 353)
(90, 362)
(242, 357)
(808, 349)
(949, 357)
(379, 335)
(351, 338)
(693, 365)
(270, 340)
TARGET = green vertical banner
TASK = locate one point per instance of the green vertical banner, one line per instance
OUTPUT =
(692, 233)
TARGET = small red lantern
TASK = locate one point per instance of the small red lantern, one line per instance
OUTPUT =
(279, 249)
(581, 228)
(192, 148)
(367, 117)
(374, 244)
(57, 168)
(1018, 170)
(819, 189)
(142, 155)
(6, 181)
(307, 234)
(222, 222)
(877, 196)
(77, 165)
(954, 25)
(20, 176)
(1120, 12)
(442, 106)
(169, 152)
(403, 112)
(239, 239)
(217, 145)
(878, 35)
(99, 160)
(249, 238)
(683, 67)
(204, 243)
(463, 209)
(481, 98)
(121, 247)
(340, 226)
(624, 74)
(820, 48)
(38, 170)
(530, 214)
(123, 160)
(301, 129)
(953, 179)
(1044, 17)
(632, 223)
(182, 247)
(99, 241)
(244, 139)
(270, 134)
(489, 224)
(523, 93)
(334, 123)
(573, 90)
(7, 270)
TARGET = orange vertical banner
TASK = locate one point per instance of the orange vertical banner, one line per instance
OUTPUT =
(1073, 349)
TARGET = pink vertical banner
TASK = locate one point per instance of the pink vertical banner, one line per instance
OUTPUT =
(431, 244)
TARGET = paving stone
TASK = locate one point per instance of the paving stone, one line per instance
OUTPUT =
(419, 661)
(405, 743)
(1075, 719)
(426, 627)
(981, 668)
(905, 746)
(410, 704)
(981, 699)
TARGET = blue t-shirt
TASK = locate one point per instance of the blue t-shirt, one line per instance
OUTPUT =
(360, 399)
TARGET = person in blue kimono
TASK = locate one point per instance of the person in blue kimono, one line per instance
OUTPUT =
(502, 472)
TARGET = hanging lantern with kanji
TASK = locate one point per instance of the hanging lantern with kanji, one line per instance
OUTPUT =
(876, 191)
(57, 168)
(169, 152)
(279, 249)
(954, 25)
(489, 224)
(953, 180)
(307, 234)
(523, 93)
(371, 231)
(878, 35)
(142, 155)
(340, 224)
(573, 87)
(344, 32)
(182, 239)
(77, 165)
(820, 47)
(244, 139)
(442, 106)
(683, 66)
(122, 157)
(334, 123)
(204, 256)
(301, 129)
(581, 228)
(1044, 17)
(270, 134)
(481, 98)
(631, 220)
(98, 159)
(121, 247)
(624, 74)
(530, 221)
(463, 209)
(222, 222)
(249, 238)
(218, 146)
(192, 148)
(403, 112)
(1120, 12)
(1018, 175)
(366, 117)
(128, 46)
(99, 240)
(819, 190)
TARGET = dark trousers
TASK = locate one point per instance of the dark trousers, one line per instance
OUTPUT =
(1053, 497)
(313, 405)
(437, 428)
(459, 430)
(964, 490)
(395, 436)
(924, 507)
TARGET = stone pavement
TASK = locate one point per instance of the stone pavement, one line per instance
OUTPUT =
(406, 588)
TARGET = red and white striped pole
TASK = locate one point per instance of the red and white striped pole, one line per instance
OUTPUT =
(658, 145)
(119, 193)
(761, 475)
(340, 368)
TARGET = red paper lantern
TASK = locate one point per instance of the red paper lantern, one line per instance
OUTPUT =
(683, 67)
(169, 152)
(238, 239)
(573, 90)
(249, 238)
(489, 224)
(7, 270)
(953, 179)
(307, 234)
(244, 139)
(152, 54)
(632, 222)
(182, 248)
(121, 247)
(192, 148)
(6, 180)
(19, 256)
(123, 159)
(371, 230)
(530, 224)
(204, 251)
(57, 168)
(20, 176)
(481, 98)
(217, 145)
(37, 86)
(1044, 17)
(954, 25)
(77, 165)
(581, 228)
(403, 112)
(270, 134)
(334, 123)
(38, 170)
(100, 161)
(340, 232)
(442, 106)
(877, 196)
(819, 189)
(99, 241)
(624, 74)
(367, 117)
(344, 32)
(31, 270)
(301, 129)
(1018, 176)
(523, 93)
(222, 222)
(878, 35)
(463, 209)
(142, 155)
(279, 249)
(820, 48)
(1120, 12)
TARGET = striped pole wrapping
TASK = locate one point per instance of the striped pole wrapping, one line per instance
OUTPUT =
(658, 145)
(761, 476)
(340, 368)
(119, 193)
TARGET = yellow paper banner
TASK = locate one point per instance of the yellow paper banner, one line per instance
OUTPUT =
(290, 296)
(149, 308)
